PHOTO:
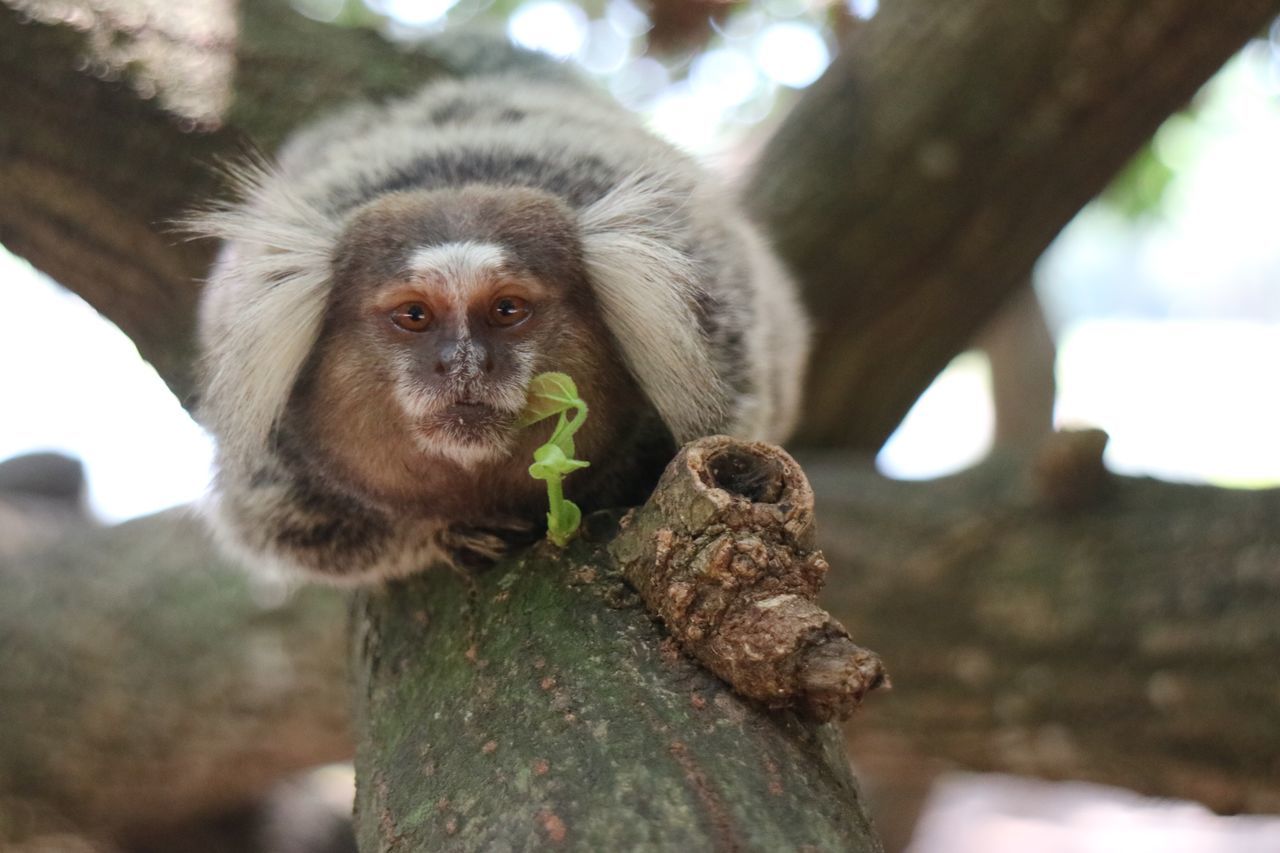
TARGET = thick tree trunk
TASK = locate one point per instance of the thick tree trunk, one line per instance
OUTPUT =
(915, 184)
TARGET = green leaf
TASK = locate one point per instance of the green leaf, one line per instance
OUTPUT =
(550, 394)
(549, 461)
(556, 394)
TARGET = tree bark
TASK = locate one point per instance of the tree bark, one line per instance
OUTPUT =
(144, 683)
(538, 705)
(723, 553)
(1131, 641)
(915, 184)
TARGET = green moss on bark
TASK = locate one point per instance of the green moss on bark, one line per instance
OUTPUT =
(537, 704)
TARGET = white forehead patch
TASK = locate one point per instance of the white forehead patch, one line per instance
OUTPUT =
(461, 268)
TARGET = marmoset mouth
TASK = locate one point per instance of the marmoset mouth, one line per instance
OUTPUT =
(468, 433)
(470, 415)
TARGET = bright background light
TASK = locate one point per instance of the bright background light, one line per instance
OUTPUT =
(413, 13)
(792, 53)
(73, 382)
(864, 9)
(555, 28)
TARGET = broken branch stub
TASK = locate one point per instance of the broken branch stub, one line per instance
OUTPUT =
(723, 553)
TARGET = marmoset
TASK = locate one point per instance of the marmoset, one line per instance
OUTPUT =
(389, 285)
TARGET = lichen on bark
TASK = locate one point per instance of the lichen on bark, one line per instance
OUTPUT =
(537, 704)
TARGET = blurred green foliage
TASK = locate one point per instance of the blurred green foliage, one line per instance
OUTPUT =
(1138, 191)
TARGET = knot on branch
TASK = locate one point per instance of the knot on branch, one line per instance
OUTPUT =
(1068, 471)
(723, 553)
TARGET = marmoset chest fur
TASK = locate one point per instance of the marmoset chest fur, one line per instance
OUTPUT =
(386, 292)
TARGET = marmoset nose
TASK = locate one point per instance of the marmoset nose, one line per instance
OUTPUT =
(464, 358)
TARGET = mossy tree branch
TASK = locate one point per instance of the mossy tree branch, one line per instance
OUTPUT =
(539, 705)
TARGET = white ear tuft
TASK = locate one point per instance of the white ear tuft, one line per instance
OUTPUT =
(647, 290)
(265, 303)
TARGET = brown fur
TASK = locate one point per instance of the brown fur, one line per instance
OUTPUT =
(345, 422)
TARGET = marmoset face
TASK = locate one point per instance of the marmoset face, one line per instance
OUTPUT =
(462, 329)
(445, 304)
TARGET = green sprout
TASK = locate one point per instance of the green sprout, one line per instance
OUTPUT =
(556, 394)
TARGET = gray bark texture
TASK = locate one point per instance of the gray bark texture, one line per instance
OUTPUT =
(911, 189)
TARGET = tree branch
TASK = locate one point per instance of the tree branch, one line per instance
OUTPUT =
(144, 683)
(538, 704)
(915, 184)
(723, 552)
(909, 208)
(537, 700)
(1129, 640)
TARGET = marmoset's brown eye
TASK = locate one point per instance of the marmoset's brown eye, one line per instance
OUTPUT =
(412, 317)
(509, 311)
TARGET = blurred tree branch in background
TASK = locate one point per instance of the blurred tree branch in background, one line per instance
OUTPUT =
(147, 683)
(1126, 635)
(914, 185)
